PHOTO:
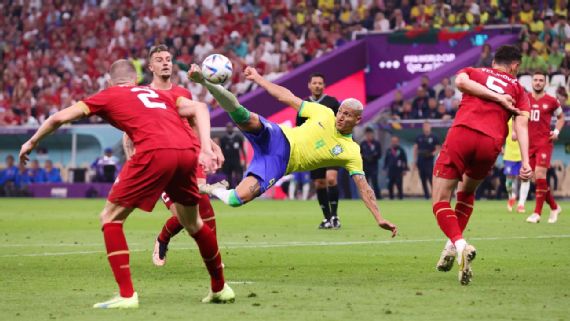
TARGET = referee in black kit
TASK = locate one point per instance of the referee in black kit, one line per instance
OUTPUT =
(325, 179)
(426, 147)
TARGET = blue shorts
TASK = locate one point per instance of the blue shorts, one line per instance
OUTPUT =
(270, 154)
(302, 177)
(512, 168)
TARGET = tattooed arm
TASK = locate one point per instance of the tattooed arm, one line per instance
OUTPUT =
(367, 195)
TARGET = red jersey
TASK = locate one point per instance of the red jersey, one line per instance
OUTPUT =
(176, 92)
(541, 112)
(488, 117)
(150, 118)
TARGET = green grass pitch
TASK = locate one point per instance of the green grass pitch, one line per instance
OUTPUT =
(53, 265)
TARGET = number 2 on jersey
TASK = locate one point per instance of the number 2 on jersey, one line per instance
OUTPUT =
(496, 84)
(145, 98)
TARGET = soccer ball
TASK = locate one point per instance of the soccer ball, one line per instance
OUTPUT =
(217, 68)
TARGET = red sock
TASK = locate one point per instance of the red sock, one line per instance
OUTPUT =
(207, 212)
(550, 199)
(170, 228)
(118, 255)
(464, 208)
(447, 220)
(208, 245)
(541, 189)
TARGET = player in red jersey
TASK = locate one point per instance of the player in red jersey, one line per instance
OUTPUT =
(160, 64)
(541, 137)
(490, 97)
(166, 160)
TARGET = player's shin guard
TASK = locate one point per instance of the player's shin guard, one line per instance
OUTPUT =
(509, 186)
(525, 187)
(541, 189)
(207, 212)
(118, 255)
(550, 199)
(333, 199)
(323, 198)
(208, 245)
(447, 220)
(464, 208)
(171, 227)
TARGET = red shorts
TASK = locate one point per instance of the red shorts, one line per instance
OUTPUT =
(148, 174)
(540, 155)
(466, 151)
(166, 198)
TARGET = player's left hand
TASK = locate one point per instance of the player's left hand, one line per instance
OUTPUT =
(525, 172)
(195, 74)
(389, 226)
(26, 150)
(208, 160)
(251, 73)
(553, 135)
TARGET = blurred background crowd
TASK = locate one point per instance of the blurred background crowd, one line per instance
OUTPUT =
(56, 52)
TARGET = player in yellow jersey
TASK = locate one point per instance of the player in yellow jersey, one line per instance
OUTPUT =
(324, 140)
(512, 163)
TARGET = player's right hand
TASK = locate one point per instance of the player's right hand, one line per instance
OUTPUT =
(208, 160)
(251, 73)
(195, 74)
(389, 226)
(26, 150)
(525, 172)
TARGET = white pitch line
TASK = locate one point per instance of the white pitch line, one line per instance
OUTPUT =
(53, 245)
(302, 244)
(240, 282)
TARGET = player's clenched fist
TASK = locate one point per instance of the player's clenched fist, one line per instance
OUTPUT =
(251, 73)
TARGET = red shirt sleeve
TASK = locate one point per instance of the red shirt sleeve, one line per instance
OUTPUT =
(467, 70)
(523, 104)
(181, 92)
(98, 101)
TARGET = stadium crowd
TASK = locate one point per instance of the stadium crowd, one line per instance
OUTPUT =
(56, 52)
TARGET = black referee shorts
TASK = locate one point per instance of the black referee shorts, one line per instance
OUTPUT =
(321, 173)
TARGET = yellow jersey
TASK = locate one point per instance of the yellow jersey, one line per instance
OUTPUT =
(317, 143)
(512, 150)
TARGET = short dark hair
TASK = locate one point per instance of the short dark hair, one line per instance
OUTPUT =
(157, 49)
(316, 74)
(538, 72)
(369, 130)
(507, 54)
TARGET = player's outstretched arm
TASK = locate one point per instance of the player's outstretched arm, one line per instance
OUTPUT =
(281, 93)
(520, 126)
(367, 195)
(56, 120)
(128, 146)
(474, 88)
(200, 116)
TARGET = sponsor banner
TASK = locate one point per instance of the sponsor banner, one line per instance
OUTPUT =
(393, 64)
